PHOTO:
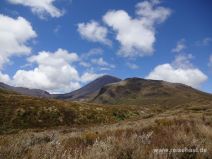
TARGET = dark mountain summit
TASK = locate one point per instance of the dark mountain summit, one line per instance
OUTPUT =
(89, 90)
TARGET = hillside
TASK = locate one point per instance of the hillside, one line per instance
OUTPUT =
(88, 131)
(32, 127)
(137, 91)
(25, 91)
(20, 112)
(90, 90)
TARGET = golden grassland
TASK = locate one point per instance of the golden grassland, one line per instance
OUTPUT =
(124, 140)
(50, 129)
(22, 112)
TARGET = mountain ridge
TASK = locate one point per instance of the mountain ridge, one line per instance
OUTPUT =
(138, 91)
(93, 91)
(88, 91)
(25, 91)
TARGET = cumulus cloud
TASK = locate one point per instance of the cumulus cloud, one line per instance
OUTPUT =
(183, 61)
(54, 72)
(180, 70)
(94, 32)
(14, 35)
(4, 78)
(58, 58)
(40, 7)
(137, 35)
(180, 46)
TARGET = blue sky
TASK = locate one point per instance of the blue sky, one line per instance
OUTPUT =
(60, 45)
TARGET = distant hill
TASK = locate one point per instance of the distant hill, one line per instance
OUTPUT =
(90, 90)
(25, 91)
(137, 91)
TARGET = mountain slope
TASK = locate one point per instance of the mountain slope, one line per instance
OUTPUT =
(25, 91)
(19, 111)
(89, 90)
(137, 91)
(85, 130)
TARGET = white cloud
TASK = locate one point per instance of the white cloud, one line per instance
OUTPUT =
(58, 58)
(151, 12)
(14, 35)
(180, 46)
(179, 71)
(85, 64)
(4, 78)
(89, 76)
(40, 7)
(132, 66)
(183, 61)
(54, 72)
(137, 35)
(94, 32)
(100, 61)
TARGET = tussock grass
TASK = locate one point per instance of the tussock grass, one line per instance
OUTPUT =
(124, 140)
(23, 112)
(52, 129)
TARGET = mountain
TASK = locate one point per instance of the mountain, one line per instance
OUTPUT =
(25, 91)
(90, 90)
(131, 91)
(87, 92)
(137, 91)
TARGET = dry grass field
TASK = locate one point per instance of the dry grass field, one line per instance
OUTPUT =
(37, 128)
(143, 138)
